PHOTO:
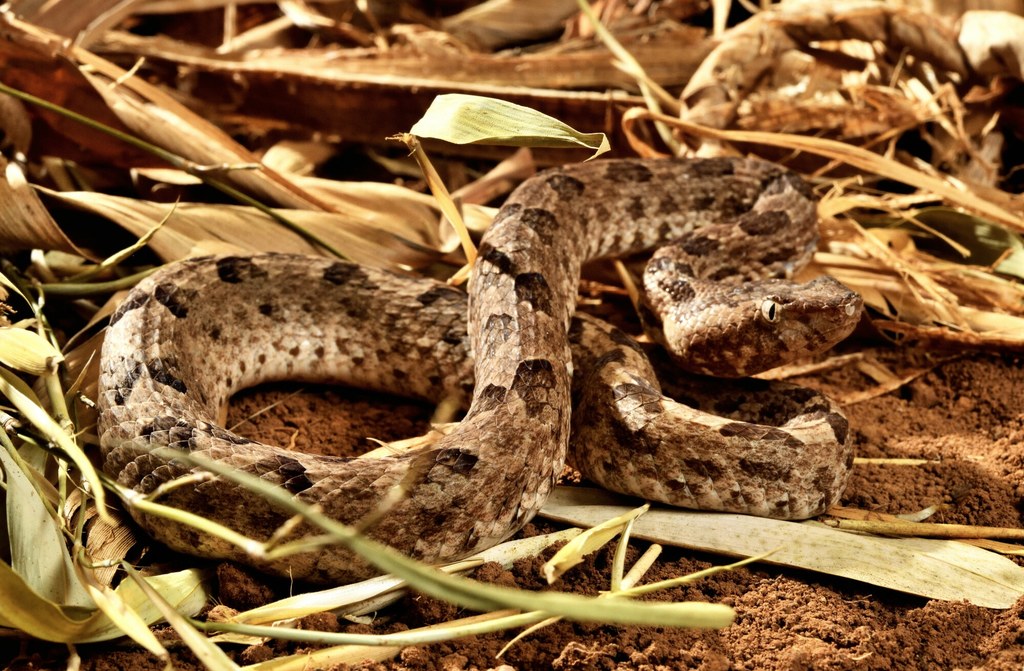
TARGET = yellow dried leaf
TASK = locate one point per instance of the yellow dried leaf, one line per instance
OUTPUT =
(573, 552)
(27, 351)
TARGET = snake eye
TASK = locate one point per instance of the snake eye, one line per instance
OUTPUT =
(770, 311)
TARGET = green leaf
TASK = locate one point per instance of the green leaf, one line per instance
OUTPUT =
(466, 119)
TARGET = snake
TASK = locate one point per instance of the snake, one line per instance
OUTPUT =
(198, 330)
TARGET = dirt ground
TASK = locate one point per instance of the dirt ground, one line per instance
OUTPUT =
(966, 414)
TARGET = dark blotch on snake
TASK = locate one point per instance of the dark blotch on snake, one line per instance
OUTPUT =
(698, 245)
(648, 396)
(163, 423)
(765, 470)
(608, 358)
(460, 461)
(509, 210)
(713, 167)
(454, 336)
(533, 380)
(215, 333)
(497, 258)
(543, 223)
(740, 429)
(702, 201)
(533, 289)
(501, 325)
(620, 338)
(160, 371)
(266, 309)
(706, 467)
(339, 273)
(628, 171)
(565, 186)
(224, 434)
(487, 399)
(763, 223)
(135, 301)
(439, 293)
(235, 269)
(777, 181)
(293, 475)
(680, 290)
(167, 294)
(636, 208)
(840, 426)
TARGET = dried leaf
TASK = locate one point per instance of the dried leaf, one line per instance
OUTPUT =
(592, 539)
(993, 42)
(24, 221)
(935, 569)
(27, 351)
(38, 552)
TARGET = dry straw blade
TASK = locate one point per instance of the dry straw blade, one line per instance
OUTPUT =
(936, 569)
(352, 598)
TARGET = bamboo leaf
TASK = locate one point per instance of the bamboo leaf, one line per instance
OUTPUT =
(29, 406)
(27, 351)
(38, 551)
(466, 119)
(935, 569)
(41, 618)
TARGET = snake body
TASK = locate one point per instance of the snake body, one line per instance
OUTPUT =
(197, 331)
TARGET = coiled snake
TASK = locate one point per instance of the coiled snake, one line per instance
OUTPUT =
(197, 331)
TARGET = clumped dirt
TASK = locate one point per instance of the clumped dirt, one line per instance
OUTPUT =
(967, 414)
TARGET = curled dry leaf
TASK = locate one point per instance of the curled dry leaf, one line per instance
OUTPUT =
(496, 23)
(24, 221)
(993, 42)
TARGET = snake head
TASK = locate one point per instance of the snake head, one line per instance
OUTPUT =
(739, 331)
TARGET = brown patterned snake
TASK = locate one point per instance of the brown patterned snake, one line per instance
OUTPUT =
(197, 331)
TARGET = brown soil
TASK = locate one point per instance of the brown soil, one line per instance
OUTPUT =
(968, 414)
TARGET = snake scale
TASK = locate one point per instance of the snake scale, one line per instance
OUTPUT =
(197, 331)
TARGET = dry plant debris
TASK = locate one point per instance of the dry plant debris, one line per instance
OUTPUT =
(243, 127)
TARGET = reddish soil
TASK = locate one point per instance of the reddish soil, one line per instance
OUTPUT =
(967, 413)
